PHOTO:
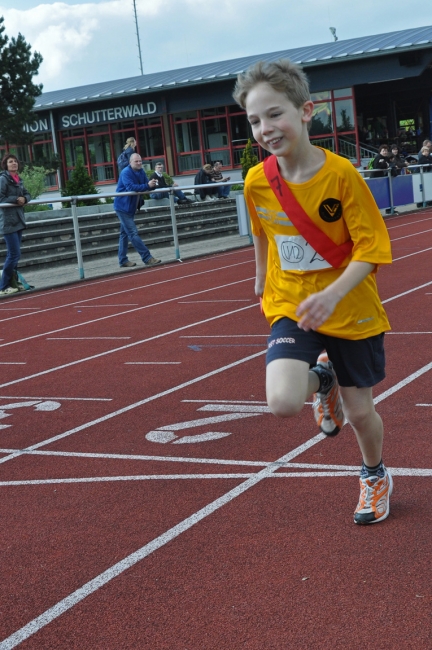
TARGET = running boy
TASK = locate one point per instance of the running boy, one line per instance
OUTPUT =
(317, 277)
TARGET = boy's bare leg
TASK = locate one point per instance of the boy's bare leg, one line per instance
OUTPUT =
(360, 412)
(289, 383)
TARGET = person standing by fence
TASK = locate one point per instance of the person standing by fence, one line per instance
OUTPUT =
(132, 179)
(12, 221)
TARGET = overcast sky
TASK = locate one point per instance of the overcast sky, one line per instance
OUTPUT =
(84, 41)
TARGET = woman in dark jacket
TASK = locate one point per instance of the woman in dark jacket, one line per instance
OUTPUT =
(12, 222)
(203, 177)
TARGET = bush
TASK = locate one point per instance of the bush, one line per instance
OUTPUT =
(248, 159)
(41, 207)
(80, 183)
(34, 181)
(237, 187)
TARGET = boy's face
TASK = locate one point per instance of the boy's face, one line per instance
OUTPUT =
(277, 125)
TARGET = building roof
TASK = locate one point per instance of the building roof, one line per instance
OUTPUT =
(313, 55)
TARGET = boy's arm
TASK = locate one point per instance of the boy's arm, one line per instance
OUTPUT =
(261, 251)
(318, 307)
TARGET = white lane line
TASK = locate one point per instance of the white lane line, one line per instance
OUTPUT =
(425, 250)
(195, 302)
(423, 404)
(125, 409)
(129, 289)
(18, 308)
(77, 399)
(13, 363)
(422, 232)
(169, 391)
(403, 383)
(168, 459)
(123, 313)
(125, 304)
(402, 471)
(409, 223)
(88, 338)
(405, 293)
(120, 567)
(123, 347)
(152, 363)
(224, 401)
(408, 333)
(223, 336)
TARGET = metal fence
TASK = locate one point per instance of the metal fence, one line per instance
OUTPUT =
(73, 200)
(413, 185)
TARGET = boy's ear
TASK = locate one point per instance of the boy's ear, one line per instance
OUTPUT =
(307, 111)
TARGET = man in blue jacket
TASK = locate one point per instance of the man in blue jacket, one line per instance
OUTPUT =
(132, 179)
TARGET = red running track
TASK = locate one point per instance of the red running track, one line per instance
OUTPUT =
(150, 500)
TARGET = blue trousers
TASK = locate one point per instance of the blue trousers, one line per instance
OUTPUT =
(129, 233)
(223, 190)
(13, 254)
(178, 195)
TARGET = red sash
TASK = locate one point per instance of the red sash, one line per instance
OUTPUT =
(331, 252)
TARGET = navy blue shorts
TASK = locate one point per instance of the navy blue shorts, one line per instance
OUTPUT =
(358, 363)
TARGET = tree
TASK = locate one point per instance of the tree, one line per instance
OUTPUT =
(79, 184)
(17, 90)
(34, 180)
(248, 159)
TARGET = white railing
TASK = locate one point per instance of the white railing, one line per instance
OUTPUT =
(73, 200)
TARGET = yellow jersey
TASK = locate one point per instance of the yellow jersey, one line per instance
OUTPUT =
(340, 203)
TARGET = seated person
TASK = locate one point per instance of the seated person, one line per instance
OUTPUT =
(203, 177)
(426, 143)
(161, 183)
(398, 159)
(425, 158)
(217, 177)
(382, 161)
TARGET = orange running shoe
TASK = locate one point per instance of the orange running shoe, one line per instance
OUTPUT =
(374, 502)
(327, 405)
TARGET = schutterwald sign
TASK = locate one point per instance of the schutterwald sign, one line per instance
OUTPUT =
(101, 115)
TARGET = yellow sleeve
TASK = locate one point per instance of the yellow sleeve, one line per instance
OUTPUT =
(365, 223)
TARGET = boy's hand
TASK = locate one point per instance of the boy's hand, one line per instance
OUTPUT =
(316, 309)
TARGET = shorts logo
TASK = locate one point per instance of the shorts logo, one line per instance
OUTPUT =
(292, 252)
(281, 339)
(330, 210)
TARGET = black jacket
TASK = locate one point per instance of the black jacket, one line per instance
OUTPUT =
(202, 178)
(12, 219)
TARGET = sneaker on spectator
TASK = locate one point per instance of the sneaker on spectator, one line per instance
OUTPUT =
(152, 262)
(9, 291)
(375, 492)
(327, 404)
(127, 264)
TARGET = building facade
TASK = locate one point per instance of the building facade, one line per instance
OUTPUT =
(366, 91)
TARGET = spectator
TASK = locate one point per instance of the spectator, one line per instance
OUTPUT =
(12, 221)
(382, 161)
(203, 177)
(426, 143)
(161, 183)
(132, 179)
(425, 158)
(398, 159)
(128, 150)
(217, 177)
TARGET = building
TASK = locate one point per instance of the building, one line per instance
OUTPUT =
(367, 90)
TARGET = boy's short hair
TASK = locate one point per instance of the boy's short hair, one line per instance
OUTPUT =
(207, 168)
(283, 76)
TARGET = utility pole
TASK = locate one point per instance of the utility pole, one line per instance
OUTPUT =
(138, 37)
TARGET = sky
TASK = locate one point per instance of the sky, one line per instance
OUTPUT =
(84, 42)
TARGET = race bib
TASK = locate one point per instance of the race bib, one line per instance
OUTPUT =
(295, 254)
